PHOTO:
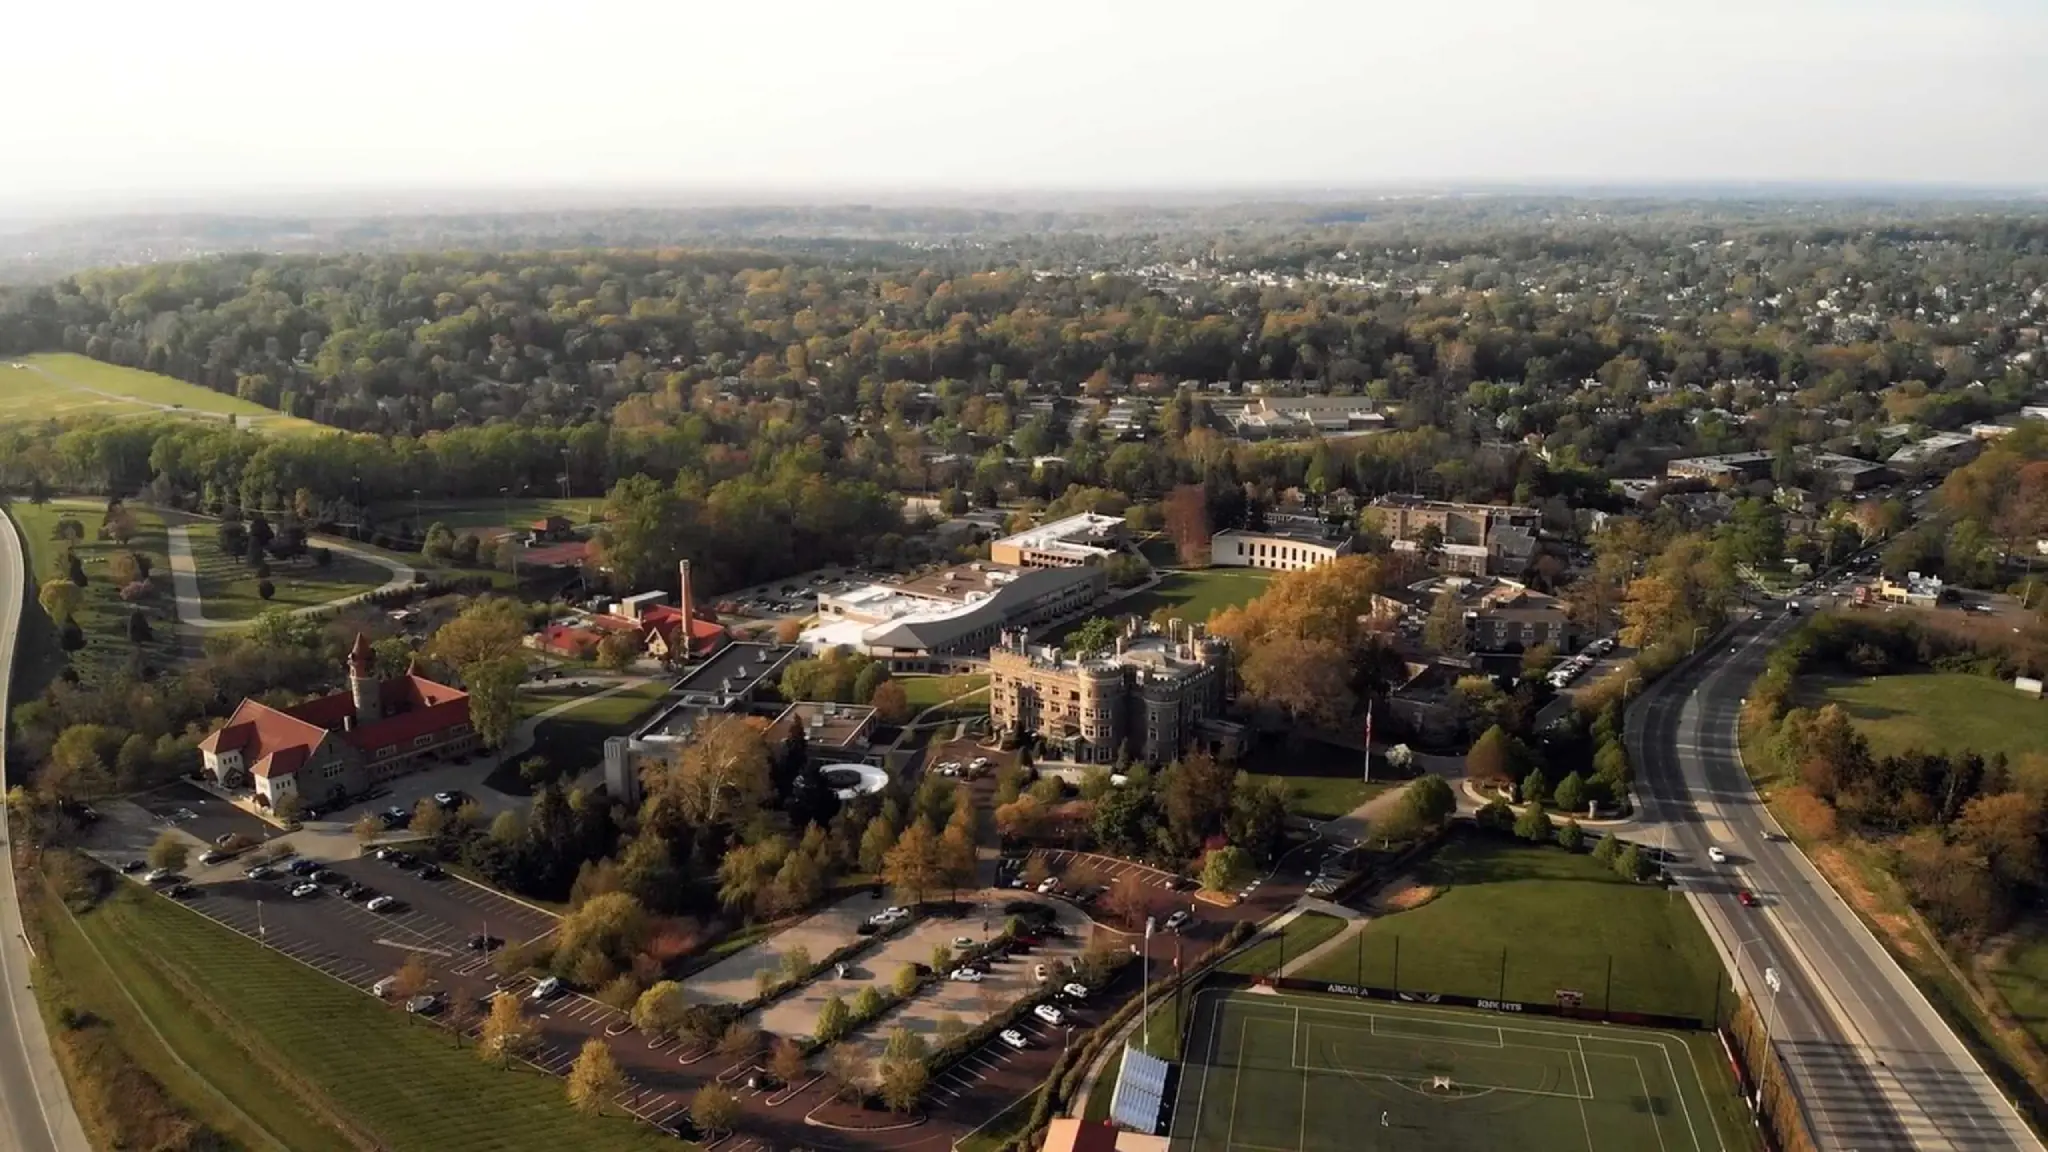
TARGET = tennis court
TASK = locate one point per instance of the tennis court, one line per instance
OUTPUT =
(1297, 1073)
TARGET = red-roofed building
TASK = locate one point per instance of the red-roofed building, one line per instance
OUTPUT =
(343, 744)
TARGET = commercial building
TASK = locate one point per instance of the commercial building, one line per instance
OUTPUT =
(739, 679)
(1281, 551)
(1499, 615)
(1288, 417)
(953, 612)
(1840, 473)
(1727, 468)
(1940, 452)
(343, 744)
(1084, 538)
(1475, 539)
(1156, 694)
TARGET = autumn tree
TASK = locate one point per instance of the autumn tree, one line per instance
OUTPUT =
(1494, 757)
(891, 703)
(1226, 869)
(1186, 513)
(595, 1078)
(1130, 899)
(60, 599)
(169, 850)
(914, 866)
(714, 1109)
(659, 1010)
(488, 629)
(722, 771)
(493, 687)
(903, 1082)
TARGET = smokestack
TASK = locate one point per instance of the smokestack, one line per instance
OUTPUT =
(684, 601)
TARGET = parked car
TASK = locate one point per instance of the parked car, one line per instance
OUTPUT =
(304, 867)
(431, 871)
(547, 989)
(1038, 973)
(483, 943)
(967, 974)
(1014, 1039)
(1715, 854)
(425, 1004)
(1050, 885)
(213, 856)
(181, 890)
(329, 876)
(355, 891)
(1076, 991)
(133, 866)
(963, 941)
(158, 875)
(303, 891)
(1049, 1014)
(1177, 919)
(449, 799)
(382, 903)
(224, 839)
(384, 987)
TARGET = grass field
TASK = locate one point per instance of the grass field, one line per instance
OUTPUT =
(490, 512)
(2021, 976)
(925, 691)
(65, 384)
(1302, 934)
(1516, 922)
(1196, 595)
(404, 1086)
(1935, 711)
(1301, 1073)
(1323, 781)
(575, 739)
(132, 1005)
(228, 586)
(102, 616)
(1009, 1124)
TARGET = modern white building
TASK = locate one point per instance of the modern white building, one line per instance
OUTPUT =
(1084, 538)
(1276, 551)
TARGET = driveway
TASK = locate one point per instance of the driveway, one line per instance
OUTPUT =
(192, 606)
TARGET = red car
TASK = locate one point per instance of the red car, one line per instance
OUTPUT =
(1747, 897)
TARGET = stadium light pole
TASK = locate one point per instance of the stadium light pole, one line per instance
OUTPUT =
(1145, 986)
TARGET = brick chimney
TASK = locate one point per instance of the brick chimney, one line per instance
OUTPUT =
(683, 599)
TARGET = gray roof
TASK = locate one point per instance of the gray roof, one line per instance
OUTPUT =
(994, 612)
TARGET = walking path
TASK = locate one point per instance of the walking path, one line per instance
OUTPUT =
(192, 607)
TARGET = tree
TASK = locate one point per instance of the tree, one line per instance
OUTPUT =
(891, 703)
(740, 1042)
(1496, 815)
(914, 865)
(847, 1069)
(659, 1010)
(867, 680)
(903, 1082)
(906, 982)
(1130, 899)
(1431, 800)
(124, 568)
(1630, 862)
(367, 827)
(265, 589)
(1226, 869)
(903, 1044)
(411, 979)
(595, 1078)
(1445, 629)
(942, 956)
(1608, 850)
(787, 1062)
(957, 862)
(714, 1109)
(867, 1004)
(138, 627)
(833, 1019)
(796, 961)
(493, 687)
(724, 770)
(1535, 789)
(1186, 514)
(1534, 826)
(1571, 793)
(1493, 757)
(60, 600)
(169, 850)
(507, 1034)
(617, 651)
(1092, 636)
(1570, 836)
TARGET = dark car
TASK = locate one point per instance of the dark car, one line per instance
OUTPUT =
(304, 867)
(684, 1128)
(357, 892)
(482, 943)
(1747, 897)
(134, 866)
(431, 871)
(329, 876)
(405, 859)
(181, 891)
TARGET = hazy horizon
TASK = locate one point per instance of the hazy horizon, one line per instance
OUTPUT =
(137, 107)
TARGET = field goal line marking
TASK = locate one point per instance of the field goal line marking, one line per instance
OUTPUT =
(1305, 1067)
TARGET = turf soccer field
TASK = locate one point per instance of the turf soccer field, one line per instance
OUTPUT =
(1282, 1073)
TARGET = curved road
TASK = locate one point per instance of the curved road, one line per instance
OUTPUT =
(35, 1109)
(1874, 1066)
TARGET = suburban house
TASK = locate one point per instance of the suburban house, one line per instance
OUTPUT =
(343, 744)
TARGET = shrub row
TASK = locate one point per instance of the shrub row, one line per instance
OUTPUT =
(838, 956)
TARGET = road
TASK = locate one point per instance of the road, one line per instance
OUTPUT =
(35, 1109)
(1872, 1063)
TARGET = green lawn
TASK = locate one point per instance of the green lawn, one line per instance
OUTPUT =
(1521, 922)
(228, 585)
(1302, 934)
(485, 512)
(62, 383)
(1197, 595)
(103, 615)
(1005, 1126)
(404, 1085)
(1935, 711)
(575, 740)
(132, 1004)
(925, 691)
(1323, 781)
(2021, 977)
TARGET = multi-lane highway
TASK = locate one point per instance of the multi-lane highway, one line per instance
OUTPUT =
(35, 1110)
(1872, 1063)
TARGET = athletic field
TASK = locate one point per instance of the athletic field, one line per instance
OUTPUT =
(1294, 1073)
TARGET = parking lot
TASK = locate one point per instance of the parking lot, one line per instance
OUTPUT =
(1094, 869)
(733, 979)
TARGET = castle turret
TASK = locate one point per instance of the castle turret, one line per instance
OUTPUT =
(362, 680)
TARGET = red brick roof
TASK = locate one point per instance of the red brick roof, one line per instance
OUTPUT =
(705, 635)
(275, 742)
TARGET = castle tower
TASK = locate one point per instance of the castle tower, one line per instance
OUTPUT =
(362, 680)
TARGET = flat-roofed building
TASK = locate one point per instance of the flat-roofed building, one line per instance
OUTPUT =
(958, 611)
(1726, 468)
(1476, 539)
(1155, 694)
(1280, 551)
(1083, 538)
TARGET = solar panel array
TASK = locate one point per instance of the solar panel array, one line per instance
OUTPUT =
(1140, 1092)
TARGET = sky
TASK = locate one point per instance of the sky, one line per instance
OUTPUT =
(125, 101)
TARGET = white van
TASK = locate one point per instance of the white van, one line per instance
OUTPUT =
(383, 988)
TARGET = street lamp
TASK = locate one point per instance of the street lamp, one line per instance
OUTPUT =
(1770, 1019)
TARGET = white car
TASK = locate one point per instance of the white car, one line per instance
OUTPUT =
(1177, 919)
(304, 890)
(890, 916)
(1076, 991)
(546, 989)
(158, 875)
(260, 872)
(981, 763)
(382, 903)
(1039, 972)
(968, 974)
(1014, 1039)
(1046, 887)
(1049, 1014)
(1716, 855)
